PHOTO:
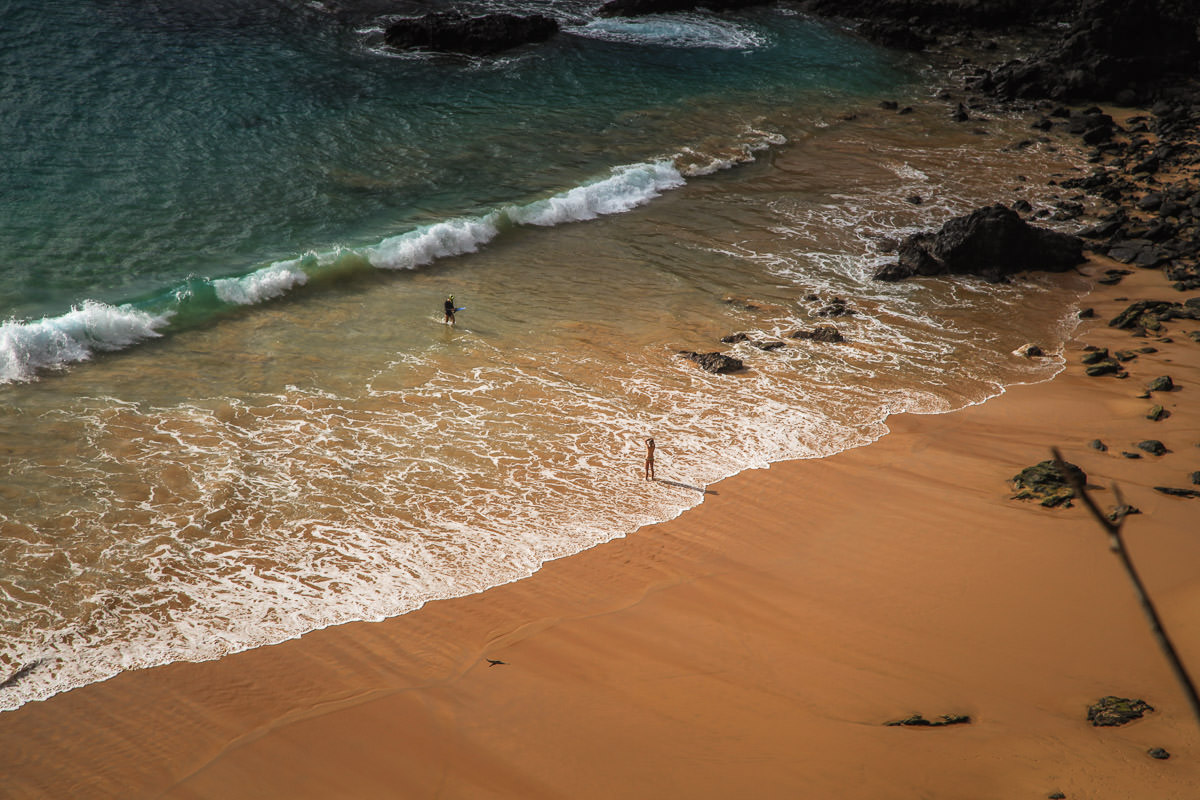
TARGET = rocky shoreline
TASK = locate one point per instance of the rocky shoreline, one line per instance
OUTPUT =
(1119, 52)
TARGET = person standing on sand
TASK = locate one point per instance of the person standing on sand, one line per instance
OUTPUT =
(650, 458)
(449, 306)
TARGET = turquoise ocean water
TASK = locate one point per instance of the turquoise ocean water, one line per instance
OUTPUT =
(230, 413)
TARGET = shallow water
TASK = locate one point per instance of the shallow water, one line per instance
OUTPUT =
(311, 445)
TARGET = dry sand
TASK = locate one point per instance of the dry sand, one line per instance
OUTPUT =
(754, 647)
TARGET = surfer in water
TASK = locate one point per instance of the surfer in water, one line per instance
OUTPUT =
(650, 458)
(449, 306)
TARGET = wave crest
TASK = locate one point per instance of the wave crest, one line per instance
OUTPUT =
(264, 284)
(55, 342)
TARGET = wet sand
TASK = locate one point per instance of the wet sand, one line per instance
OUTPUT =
(752, 647)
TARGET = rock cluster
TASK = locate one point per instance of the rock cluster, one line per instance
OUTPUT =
(1119, 50)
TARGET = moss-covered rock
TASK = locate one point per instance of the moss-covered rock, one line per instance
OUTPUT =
(1163, 383)
(918, 721)
(1111, 711)
(1047, 484)
(1152, 446)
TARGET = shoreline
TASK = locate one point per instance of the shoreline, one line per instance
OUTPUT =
(759, 640)
(762, 640)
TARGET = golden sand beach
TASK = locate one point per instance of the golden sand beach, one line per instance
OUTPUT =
(753, 647)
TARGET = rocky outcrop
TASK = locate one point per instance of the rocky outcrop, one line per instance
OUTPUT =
(992, 242)
(480, 36)
(1124, 51)
(931, 18)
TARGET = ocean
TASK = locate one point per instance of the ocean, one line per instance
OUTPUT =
(230, 412)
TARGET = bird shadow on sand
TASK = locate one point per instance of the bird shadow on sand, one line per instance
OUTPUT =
(679, 485)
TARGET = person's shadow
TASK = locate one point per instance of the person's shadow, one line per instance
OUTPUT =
(700, 489)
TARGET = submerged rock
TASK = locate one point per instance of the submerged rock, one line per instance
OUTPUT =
(452, 32)
(837, 307)
(713, 362)
(1110, 711)
(1047, 483)
(821, 333)
(992, 242)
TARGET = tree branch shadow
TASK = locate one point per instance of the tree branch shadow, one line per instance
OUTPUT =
(1112, 526)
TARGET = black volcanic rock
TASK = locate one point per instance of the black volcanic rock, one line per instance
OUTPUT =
(1113, 49)
(457, 33)
(991, 242)
(947, 15)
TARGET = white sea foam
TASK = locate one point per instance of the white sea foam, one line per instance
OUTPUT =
(627, 187)
(694, 162)
(264, 284)
(55, 342)
(673, 30)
